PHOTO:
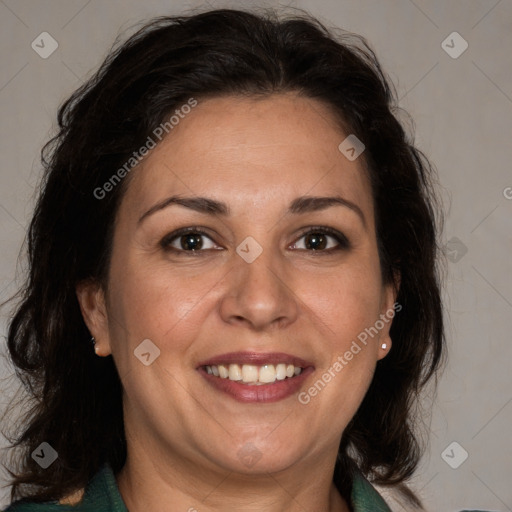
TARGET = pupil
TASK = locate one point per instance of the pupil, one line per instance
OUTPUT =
(315, 241)
(191, 242)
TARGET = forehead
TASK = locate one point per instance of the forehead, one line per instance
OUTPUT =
(269, 149)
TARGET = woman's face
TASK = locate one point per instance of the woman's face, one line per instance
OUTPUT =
(253, 298)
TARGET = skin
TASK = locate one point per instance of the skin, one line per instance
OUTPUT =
(183, 436)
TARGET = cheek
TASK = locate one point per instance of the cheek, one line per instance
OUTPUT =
(347, 369)
(155, 301)
(345, 302)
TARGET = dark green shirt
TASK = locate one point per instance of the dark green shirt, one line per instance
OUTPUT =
(102, 495)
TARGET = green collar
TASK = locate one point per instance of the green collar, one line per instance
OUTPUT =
(102, 495)
(365, 497)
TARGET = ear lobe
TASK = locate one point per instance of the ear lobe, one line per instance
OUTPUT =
(91, 299)
(384, 342)
(388, 311)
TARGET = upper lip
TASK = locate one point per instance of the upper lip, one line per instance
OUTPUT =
(255, 358)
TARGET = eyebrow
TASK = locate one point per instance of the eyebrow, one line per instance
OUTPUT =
(300, 205)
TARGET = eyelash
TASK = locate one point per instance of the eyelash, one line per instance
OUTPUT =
(342, 240)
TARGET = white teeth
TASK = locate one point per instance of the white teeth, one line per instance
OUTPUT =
(281, 371)
(267, 373)
(235, 372)
(249, 373)
(223, 371)
(252, 374)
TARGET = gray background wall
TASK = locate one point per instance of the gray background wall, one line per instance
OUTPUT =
(463, 112)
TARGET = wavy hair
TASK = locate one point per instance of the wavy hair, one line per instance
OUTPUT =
(74, 396)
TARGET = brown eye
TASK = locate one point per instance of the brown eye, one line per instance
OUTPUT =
(190, 241)
(321, 239)
(316, 241)
(187, 240)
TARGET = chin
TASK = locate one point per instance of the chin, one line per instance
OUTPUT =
(259, 456)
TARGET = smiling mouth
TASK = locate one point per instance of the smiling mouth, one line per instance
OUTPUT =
(254, 375)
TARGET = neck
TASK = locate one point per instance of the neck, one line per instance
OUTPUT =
(148, 485)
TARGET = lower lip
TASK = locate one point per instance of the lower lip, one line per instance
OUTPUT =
(265, 393)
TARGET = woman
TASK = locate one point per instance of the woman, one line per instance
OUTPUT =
(234, 216)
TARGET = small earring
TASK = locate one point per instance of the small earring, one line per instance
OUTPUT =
(384, 346)
(93, 341)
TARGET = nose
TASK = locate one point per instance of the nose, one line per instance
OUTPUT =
(260, 294)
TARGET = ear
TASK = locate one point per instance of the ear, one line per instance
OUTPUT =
(389, 308)
(91, 298)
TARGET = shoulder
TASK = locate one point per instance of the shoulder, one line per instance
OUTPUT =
(63, 505)
(48, 506)
(396, 500)
(398, 503)
(365, 498)
(100, 495)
